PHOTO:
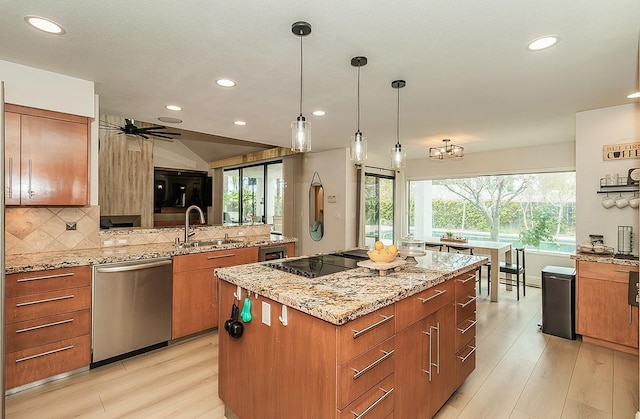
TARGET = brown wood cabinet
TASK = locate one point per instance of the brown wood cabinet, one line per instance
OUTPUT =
(465, 331)
(425, 368)
(47, 157)
(195, 288)
(48, 324)
(604, 316)
(311, 368)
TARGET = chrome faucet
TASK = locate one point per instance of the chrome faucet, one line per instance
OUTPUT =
(188, 233)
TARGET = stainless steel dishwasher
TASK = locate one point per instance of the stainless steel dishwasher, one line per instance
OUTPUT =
(131, 308)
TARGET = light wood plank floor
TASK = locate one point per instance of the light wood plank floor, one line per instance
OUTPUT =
(521, 373)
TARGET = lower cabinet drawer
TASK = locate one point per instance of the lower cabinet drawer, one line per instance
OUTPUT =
(46, 304)
(30, 333)
(377, 403)
(418, 306)
(362, 334)
(361, 373)
(465, 306)
(465, 361)
(465, 331)
(44, 361)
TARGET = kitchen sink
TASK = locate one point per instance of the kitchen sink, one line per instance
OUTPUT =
(212, 242)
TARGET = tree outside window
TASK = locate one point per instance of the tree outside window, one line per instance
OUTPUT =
(536, 210)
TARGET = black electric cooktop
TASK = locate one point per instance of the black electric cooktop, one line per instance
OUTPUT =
(315, 266)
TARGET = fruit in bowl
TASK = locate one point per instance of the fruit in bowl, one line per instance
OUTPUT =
(380, 254)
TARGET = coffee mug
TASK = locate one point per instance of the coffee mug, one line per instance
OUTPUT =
(621, 202)
(608, 202)
(634, 202)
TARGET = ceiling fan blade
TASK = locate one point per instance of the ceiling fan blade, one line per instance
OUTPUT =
(151, 128)
(163, 133)
(159, 135)
(139, 134)
(107, 124)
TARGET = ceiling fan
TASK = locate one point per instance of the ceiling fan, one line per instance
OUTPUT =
(130, 128)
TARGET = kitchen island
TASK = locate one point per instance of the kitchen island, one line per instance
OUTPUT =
(349, 342)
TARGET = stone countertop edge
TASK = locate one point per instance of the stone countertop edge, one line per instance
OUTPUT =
(32, 262)
(586, 257)
(345, 296)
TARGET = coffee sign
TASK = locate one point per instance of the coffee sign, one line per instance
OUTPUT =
(621, 151)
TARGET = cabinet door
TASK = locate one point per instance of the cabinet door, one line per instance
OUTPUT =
(12, 158)
(443, 368)
(194, 302)
(604, 313)
(54, 161)
(411, 400)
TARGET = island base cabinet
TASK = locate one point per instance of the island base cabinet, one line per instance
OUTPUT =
(276, 371)
(377, 403)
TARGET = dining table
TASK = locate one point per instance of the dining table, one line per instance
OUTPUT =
(497, 252)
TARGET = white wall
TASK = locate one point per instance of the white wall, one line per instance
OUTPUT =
(176, 155)
(28, 86)
(338, 176)
(594, 129)
(544, 158)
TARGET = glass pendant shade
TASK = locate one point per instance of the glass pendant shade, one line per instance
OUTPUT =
(398, 157)
(300, 135)
(358, 148)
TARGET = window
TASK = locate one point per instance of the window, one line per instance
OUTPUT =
(379, 190)
(253, 195)
(534, 210)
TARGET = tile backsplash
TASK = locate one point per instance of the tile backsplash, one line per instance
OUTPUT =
(36, 230)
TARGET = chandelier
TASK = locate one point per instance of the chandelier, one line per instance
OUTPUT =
(447, 151)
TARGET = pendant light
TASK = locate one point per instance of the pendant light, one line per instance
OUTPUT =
(398, 155)
(359, 143)
(300, 129)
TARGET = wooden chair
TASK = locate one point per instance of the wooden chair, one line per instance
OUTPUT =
(516, 269)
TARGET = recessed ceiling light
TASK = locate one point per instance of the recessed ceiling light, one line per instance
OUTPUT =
(319, 113)
(635, 95)
(170, 120)
(225, 82)
(543, 42)
(173, 107)
(240, 123)
(45, 25)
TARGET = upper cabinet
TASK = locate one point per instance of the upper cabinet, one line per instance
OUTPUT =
(46, 157)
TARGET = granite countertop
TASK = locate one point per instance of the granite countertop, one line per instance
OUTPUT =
(30, 262)
(341, 297)
(589, 257)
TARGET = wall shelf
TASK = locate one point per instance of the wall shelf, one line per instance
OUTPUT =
(620, 187)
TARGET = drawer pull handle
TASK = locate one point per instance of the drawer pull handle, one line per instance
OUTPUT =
(46, 300)
(26, 358)
(358, 333)
(464, 358)
(373, 406)
(357, 374)
(471, 300)
(437, 294)
(465, 330)
(37, 278)
(464, 281)
(221, 256)
(41, 326)
(622, 270)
